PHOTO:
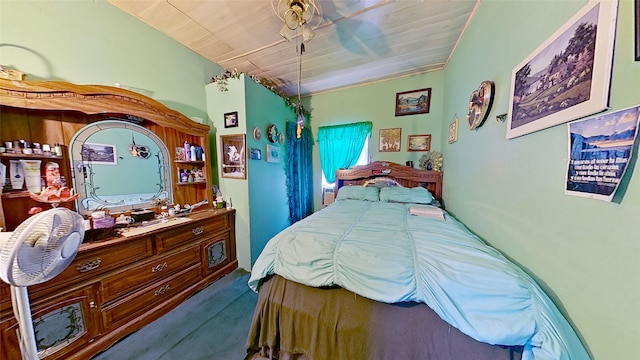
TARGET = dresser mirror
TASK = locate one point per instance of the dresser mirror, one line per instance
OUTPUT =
(118, 165)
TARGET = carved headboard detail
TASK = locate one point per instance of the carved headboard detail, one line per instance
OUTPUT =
(404, 175)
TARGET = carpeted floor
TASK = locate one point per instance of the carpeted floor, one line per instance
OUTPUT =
(213, 324)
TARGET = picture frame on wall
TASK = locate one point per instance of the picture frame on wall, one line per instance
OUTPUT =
(273, 153)
(233, 164)
(102, 154)
(419, 142)
(453, 130)
(568, 76)
(256, 154)
(413, 102)
(637, 27)
(389, 140)
(231, 119)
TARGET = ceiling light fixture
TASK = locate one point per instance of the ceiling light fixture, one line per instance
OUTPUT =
(297, 14)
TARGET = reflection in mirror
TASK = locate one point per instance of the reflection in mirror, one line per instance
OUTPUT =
(118, 165)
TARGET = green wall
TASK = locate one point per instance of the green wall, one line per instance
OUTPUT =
(510, 192)
(585, 252)
(269, 205)
(261, 199)
(93, 42)
(376, 103)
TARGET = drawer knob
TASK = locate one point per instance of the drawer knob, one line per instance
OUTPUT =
(89, 265)
(197, 230)
(162, 290)
(159, 267)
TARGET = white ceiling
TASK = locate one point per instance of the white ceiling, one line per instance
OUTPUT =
(358, 41)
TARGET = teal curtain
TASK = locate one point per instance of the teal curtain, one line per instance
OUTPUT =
(299, 172)
(341, 145)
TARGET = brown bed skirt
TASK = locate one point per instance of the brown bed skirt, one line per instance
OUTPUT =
(295, 322)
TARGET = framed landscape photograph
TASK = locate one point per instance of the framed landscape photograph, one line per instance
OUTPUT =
(413, 102)
(389, 140)
(231, 119)
(568, 76)
(103, 154)
(419, 142)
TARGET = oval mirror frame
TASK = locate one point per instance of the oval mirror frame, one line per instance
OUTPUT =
(83, 170)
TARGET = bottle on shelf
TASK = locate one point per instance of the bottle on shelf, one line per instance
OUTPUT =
(187, 150)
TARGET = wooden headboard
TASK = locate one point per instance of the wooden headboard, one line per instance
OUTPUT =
(404, 175)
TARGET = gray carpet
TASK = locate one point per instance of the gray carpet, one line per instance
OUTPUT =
(212, 324)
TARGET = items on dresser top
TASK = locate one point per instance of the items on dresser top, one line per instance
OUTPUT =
(117, 285)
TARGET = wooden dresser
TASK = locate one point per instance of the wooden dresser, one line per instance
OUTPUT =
(118, 285)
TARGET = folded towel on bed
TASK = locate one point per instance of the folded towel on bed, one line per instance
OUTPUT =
(430, 211)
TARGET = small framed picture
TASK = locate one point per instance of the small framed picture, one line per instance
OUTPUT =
(389, 140)
(233, 156)
(256, 154)
(104, 154)
(273, 153)
(231, 119)
(453, 131)
(413, 102)
(419, 142)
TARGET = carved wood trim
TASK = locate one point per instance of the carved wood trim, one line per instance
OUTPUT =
(405, 175)
(94, 99)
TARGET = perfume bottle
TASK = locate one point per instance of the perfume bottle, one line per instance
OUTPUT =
(187, 150)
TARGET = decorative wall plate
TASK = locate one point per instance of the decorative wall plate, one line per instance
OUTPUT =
(272, 133)
(257, 134)
(281, 138)
(480, 104)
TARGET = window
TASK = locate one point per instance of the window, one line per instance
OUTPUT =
(362, 160)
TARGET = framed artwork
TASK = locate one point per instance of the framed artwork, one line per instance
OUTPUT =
(389, 140)
(453, 130)
(419, 142)
(568, 76)
(413, 102)
(273, 153)
(637, 30)
(256, 154)
(231, 119)
(233, 156)
(104, 154)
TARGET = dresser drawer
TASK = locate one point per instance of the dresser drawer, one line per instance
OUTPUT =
(144, 301)
(99, 261)
(190, 232)
(161, 267)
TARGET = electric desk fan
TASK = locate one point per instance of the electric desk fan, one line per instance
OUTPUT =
(38, 250)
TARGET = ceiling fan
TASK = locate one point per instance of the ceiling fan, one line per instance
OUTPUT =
(297, 14)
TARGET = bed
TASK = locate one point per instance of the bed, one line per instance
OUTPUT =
(385, 273)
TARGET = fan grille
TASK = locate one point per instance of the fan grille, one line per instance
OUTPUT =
(41, 247)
